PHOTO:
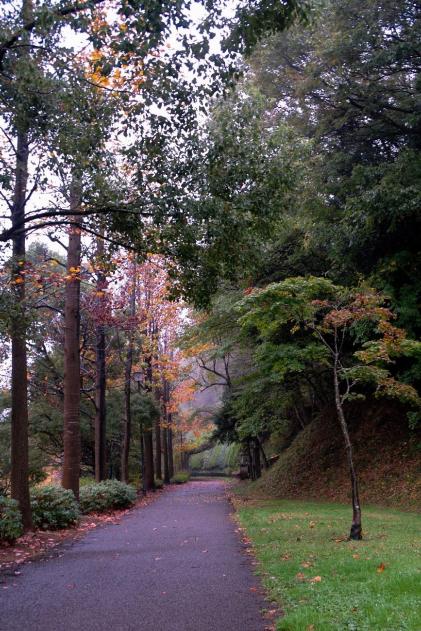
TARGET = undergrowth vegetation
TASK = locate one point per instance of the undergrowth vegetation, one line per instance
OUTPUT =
(111, 494)
(53, 507)
(10, 520)
(181, 477)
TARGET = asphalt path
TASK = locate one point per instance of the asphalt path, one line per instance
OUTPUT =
(174, 565)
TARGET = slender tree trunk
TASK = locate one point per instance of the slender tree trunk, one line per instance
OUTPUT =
(170, 448)
(100, 382)
(19, 438)
(249, 460)
(262, 451)
(127, 421)
(356, 527)
(256, 458)
(19, 377)
(158, 448)
(72, 447)
(149, 466)
(165, 436)
(165, 455)
(147, 434)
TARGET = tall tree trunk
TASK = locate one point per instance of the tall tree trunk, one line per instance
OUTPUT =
(19, 438)
(256, 458)
(356, 526)
(149, 465)
(165, 436)
(170, 447)
(100, 381)
(165, 455)
(158, 446)
(19, 378)
(250, 460)
(72, 447)
(158, 397)
(127, 421)
(262, 451)
(147, 433)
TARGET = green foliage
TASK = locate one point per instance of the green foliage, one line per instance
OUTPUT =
(221, 458)
(159, 484)
(10, 520)
(104, 496)
(53, 508)
(181, 477)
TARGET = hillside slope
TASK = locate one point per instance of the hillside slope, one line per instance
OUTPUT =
(387, 457)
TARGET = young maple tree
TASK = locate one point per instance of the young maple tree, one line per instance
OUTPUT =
(302, 322)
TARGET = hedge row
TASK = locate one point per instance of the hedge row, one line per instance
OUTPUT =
(54, 507)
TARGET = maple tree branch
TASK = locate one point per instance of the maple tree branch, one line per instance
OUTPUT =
(71, 9)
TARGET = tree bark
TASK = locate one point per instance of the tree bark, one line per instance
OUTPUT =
(72, 447)
(250, 460)
(127, 421)
(262, 451)
(101, 379)
(170, 448)
(147, 434)
(165, 436)
(149, 466)
(158, 447)
(356, 526)
(19, 377)
(256, 458)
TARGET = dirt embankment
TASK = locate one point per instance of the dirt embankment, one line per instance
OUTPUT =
(387, 457)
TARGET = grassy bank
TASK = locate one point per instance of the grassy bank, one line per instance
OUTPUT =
(324, 582)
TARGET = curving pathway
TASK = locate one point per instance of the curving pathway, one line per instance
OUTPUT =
(175, 565)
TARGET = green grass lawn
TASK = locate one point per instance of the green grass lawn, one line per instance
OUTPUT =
(322, 581)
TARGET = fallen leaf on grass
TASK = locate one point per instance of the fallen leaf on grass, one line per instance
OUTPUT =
(300, 576)
(316, 579)
(307, 564)
(381, 568)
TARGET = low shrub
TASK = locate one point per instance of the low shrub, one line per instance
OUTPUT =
(53, 508)
(97, 498)
(159, 484)
(10, 520)
(181, 477)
